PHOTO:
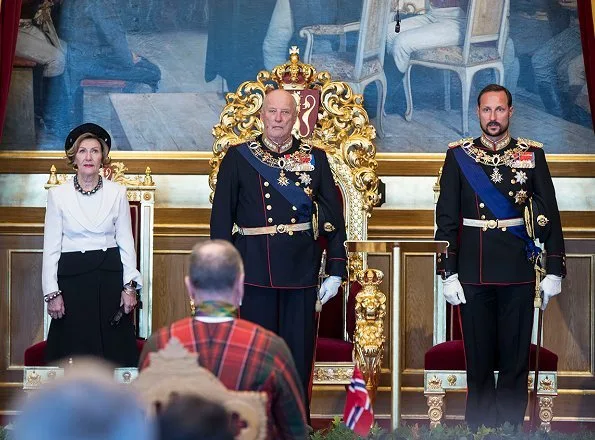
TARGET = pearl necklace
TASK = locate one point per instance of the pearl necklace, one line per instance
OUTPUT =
(80, 189)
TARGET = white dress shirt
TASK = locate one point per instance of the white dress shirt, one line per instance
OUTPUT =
(72, 226)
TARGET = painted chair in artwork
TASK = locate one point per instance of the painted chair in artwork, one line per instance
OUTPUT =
(483, 48)
(363, 66)
(141, 197)
(445, 366)
(331, 118)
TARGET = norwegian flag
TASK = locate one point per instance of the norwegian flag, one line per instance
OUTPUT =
(358, 414)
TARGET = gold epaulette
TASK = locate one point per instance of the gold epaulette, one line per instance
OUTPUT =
(236, 142)
(529, 142)
(460, 142)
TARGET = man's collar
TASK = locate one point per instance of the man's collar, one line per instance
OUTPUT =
(213, 319)
(495, 145)
(275, 147)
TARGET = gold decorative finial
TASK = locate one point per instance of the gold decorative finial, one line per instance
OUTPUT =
(148, 180)
(53, 180)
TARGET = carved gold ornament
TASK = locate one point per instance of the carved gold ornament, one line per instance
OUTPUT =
(435, 383)
(370, 310)
(343, 129)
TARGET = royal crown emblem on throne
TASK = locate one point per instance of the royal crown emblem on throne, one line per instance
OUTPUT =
(331, 117)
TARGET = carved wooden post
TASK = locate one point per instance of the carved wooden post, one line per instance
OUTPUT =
(370, 310)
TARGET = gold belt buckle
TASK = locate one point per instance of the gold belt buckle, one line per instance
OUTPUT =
(281, 229)
(492, 224)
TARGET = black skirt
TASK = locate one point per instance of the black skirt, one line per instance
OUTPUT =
(91, 285)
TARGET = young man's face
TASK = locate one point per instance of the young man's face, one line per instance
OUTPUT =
(494, 114)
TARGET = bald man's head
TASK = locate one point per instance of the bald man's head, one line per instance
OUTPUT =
(216, 272)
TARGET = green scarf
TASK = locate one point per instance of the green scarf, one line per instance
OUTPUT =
(218, 309)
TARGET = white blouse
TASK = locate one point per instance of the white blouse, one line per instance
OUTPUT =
(77, 223)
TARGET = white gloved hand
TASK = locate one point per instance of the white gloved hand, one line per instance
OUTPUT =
(453, 291)
(551, 285)
(329, 288)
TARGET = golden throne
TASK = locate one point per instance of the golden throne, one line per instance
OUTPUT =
(332, 118)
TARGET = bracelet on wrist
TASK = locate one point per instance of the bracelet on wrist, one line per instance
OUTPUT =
(51, 296)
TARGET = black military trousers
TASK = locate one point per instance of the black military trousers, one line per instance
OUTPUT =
(290, 314)
(497, 323)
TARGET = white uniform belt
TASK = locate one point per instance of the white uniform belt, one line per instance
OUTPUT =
(276, 229)
(493, 224)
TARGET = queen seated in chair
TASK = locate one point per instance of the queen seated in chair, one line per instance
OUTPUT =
(89, 275)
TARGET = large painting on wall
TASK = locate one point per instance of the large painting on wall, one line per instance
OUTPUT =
(155, 72)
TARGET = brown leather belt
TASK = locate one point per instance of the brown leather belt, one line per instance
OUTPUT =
(276, 229)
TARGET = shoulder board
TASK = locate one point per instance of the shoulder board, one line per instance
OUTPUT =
(529, 143)
(236, 142)
(460, 142)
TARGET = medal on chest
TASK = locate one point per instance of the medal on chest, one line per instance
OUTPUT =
(299, 161)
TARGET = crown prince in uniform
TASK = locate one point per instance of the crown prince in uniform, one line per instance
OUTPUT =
(277, 194)
(489, 268)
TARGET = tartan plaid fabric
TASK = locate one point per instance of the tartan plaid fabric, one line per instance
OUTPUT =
(244, 356)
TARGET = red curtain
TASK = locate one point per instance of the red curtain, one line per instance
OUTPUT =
(10, 11)
(587, 24)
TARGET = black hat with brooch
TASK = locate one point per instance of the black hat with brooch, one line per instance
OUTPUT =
(537, 219)
(88, 128)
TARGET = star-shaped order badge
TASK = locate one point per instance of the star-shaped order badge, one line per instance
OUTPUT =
(520, 177)
(305, 178)
(520, 197)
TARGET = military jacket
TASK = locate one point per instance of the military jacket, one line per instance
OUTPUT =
(244, 198)
(494, 255)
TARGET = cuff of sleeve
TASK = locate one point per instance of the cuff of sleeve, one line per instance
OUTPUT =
(337, 267)
(446, 263)
(556, 265)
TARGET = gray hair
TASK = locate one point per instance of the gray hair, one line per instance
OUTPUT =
(84, 408)
(215, 266)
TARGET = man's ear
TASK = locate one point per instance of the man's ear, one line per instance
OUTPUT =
(239, 289)
(189, 287)
(511, 111)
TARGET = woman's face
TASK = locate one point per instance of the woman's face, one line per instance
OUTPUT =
(88, 157)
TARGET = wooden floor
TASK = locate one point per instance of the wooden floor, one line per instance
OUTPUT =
(190, 106)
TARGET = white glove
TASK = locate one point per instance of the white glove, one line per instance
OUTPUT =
(329, 288)
(551, 285)
(453, 291)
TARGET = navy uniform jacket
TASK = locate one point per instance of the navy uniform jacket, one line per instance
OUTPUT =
(495, 256)
(243, 197)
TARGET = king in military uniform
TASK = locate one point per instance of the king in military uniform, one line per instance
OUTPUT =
(274, 196)
(487, 184)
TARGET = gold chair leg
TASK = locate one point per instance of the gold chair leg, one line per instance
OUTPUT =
(546, 412)
(436, 407)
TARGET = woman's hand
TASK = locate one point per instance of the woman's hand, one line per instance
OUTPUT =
(56, 308)
(128, 300)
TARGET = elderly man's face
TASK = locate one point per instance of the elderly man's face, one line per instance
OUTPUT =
(278, 115)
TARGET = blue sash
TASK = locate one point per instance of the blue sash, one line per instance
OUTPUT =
(293, 194)
(494, 199)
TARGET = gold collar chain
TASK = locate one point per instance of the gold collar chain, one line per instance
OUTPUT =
(277, 148)
(494, 160)
(495, 146)
(298, 160)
